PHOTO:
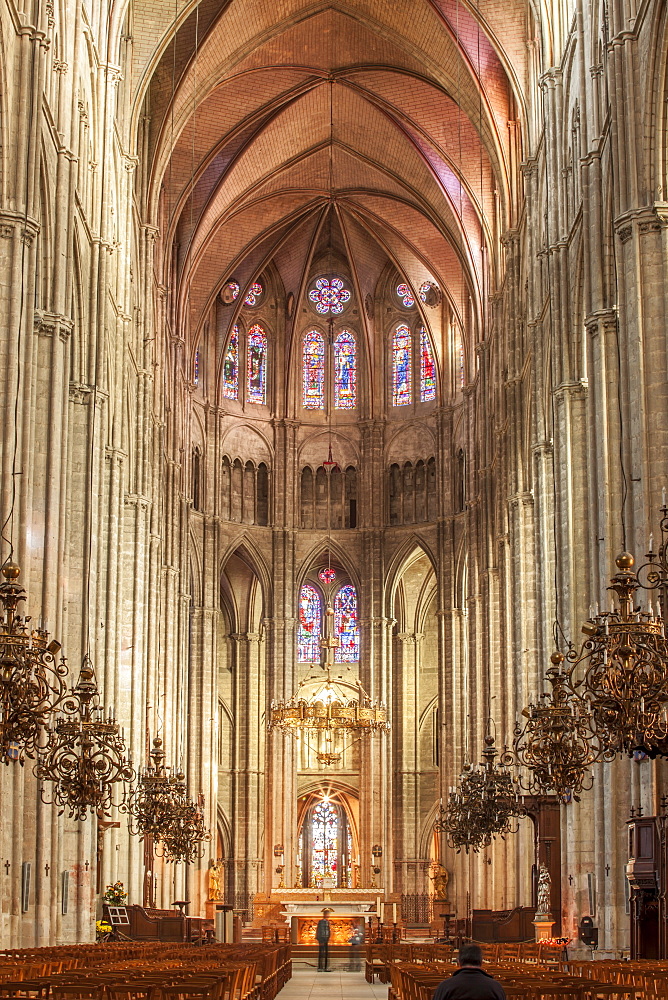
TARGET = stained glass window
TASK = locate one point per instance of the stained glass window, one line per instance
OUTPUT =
(406, 295)
(231, 366)
(346, 625)
(254, 293)
(196, 368)
(462, 374)
(427, 369)
(256, 351)
(234, 289)
(401, 366)
(345, 371)
(308, 632)
(430, 293)
(327, 575)
(325, 834)
(313, 371)
(329, 295)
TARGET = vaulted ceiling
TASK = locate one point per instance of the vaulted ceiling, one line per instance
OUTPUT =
(402, 116)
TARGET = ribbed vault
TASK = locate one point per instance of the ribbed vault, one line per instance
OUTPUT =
(402, 118)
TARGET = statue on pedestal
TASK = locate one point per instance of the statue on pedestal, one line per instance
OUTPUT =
(215, 873)
(544, 883)
(440, 878)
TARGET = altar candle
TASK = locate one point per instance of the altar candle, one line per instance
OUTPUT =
(378, 907)
(394, 913)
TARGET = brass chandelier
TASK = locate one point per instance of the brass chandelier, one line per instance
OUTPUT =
(158, 807)
(84, 757)
(484, 806)
(621, 672)
(327, 705)
(32, 679)
(182, 838)
(556, 743)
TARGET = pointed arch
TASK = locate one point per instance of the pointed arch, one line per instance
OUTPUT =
(309, 626)
(346, 624)
(345, 371)
(231, 365)
(402, 366)
(313, 370)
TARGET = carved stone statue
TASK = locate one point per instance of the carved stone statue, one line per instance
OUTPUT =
(215, 873)
(544, 883)
(440, 878)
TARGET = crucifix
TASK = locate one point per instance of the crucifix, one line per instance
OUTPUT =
(607, 869)
(570, 880)
(8, 865)
(47, 868)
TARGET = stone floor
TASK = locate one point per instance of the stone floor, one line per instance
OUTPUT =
(309, 984)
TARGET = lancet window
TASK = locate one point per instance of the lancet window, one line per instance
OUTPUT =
(316, 366)
(345, 371)
(427, 369)
(310, 624)
(313, 371)
(402, 381)
(231, 366)
(256, 366)
(346, 625)
(413, 367)
(325, 846)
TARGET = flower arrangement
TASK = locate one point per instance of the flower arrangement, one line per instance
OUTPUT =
(103, 929)
(115, 894)
(555, 942)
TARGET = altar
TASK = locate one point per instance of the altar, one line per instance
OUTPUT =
(351, 910)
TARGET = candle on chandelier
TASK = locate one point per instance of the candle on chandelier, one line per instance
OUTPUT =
(651, 542)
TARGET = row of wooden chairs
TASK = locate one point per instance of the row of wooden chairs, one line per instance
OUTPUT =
(379, 957)
(411, 981)
(153, 972)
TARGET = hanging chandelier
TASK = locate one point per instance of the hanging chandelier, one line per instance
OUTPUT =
(621, 672)
(153, 803)
(84, 757)
(32, 680)
(328, 708)
(158, 807)
(484, 806)
(556, 743)
(184, 835)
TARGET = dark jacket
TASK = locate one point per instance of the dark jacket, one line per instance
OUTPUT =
(469, 984)
(322, 930)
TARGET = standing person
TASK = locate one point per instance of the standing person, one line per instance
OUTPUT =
(470, 982)
(322, 932)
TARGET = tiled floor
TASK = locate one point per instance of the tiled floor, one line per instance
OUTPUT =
(332, 985)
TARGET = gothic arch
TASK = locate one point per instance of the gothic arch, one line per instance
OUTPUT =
(247, 551)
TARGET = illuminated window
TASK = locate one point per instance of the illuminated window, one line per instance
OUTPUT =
(231, 366)
(406, 295)
(308, 632)
(345, 371)
(256, 352)
(462, 374)
(329, 295)
(196, 368)
(427, 369)
(401, 366)
(325, 837)
(346, 625)
(234, 289)
(313, 371)
(254, 294)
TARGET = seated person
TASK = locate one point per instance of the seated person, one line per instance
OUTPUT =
(470, 982)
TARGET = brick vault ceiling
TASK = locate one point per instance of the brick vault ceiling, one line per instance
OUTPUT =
(395, 114)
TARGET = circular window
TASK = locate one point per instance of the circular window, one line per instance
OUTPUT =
(254, 294)
(329, 295)
(430, 293)
(406, 295)
(229, 292)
